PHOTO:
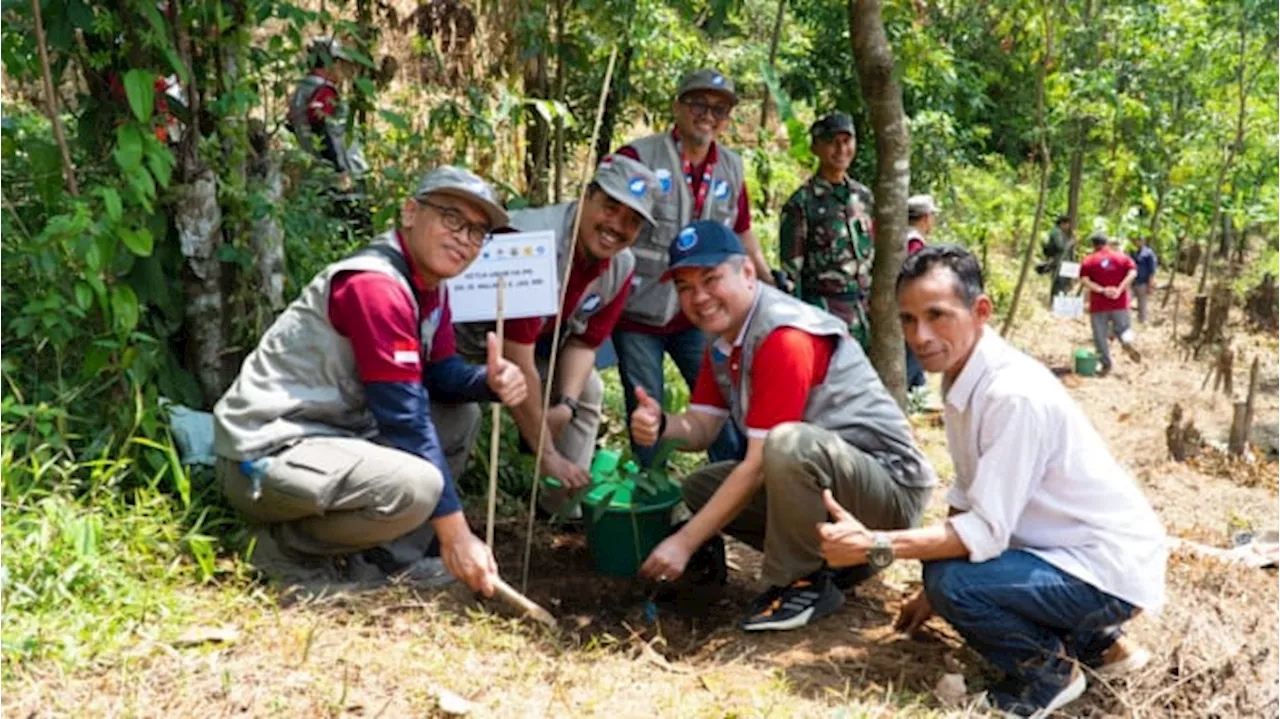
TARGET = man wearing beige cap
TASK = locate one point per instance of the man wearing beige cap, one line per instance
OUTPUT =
(617, 206)
(326, 439)
(921, 213)
(699, 180)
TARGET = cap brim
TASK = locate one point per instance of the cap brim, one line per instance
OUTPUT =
(703, 261)
(634, 203)
(496, 215)
(708, 87)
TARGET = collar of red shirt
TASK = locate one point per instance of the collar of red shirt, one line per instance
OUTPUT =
(321, 72)
(724, 347)
(712, 154)
(587, 266)
(418, 283)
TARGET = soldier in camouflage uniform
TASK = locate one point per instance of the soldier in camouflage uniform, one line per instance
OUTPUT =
(825, 240)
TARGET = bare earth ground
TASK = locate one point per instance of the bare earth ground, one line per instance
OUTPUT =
(388, 652)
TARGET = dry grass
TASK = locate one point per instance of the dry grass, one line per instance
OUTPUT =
(387, 652)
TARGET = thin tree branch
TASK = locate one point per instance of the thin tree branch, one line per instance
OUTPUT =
(51, 103)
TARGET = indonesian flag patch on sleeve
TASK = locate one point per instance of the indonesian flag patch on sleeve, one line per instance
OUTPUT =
(406, 354)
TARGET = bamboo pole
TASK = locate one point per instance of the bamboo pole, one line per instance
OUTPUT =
(494, 440)
(555, 335)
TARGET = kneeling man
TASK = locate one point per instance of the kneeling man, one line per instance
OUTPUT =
(326, 437)
(1050, 546)
(816, 417)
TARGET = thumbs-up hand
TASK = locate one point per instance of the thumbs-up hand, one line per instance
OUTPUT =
(505, 378)
(646, 420)
(844, 540)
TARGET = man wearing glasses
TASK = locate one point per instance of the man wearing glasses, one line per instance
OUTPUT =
(699, 180)
(326, 439)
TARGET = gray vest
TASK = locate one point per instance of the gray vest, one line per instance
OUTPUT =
(597, 295)
(349, 158)
(652, 301)
(301, 380)
(851, 401)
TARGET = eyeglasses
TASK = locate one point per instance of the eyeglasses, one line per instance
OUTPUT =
(476, 233)
(701, 107)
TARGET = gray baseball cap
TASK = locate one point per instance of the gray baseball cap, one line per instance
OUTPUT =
(629, 182)
(920, 205)
(465, 185)
(707, 79)
(329, 49)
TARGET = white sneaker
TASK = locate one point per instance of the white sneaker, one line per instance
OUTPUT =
(1123, 657)
(1071, 692)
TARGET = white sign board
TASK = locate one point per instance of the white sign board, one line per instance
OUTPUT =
(1070, 269)
(527, 260)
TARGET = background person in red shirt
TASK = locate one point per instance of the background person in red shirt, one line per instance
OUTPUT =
(1107, 274)
(816, 416)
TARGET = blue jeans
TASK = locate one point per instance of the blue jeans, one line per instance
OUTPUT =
(1027, 617)
(640, 364)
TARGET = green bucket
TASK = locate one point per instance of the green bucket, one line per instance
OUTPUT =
(1086, 362)
(621, 535)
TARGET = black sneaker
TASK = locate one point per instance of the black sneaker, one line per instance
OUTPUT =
(794, 605)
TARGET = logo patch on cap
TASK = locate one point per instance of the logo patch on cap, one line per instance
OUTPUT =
(717, 79)
(664, 179)
(721, 190)
(687, 238)
(638, 186)
(591, 303)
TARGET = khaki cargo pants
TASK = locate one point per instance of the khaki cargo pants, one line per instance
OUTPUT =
(800, 460)
(328, 496)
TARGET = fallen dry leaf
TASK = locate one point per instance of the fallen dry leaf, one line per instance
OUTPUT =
(207, 635)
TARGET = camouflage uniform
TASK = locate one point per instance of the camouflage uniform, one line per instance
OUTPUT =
(826, 247)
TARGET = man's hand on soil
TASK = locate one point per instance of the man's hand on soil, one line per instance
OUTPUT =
(667, 561)
(914, 614)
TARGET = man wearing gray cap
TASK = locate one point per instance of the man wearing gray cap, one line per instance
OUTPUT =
(699, 180)
(617, 206)
(825, 240)
(326, 439)
(921, 213)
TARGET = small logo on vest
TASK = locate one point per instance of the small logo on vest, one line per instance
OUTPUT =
(664, 179)
(638, 186)
(717, 79)
(591, 303)
(721, 190)
(1106, 263)
(686, 239)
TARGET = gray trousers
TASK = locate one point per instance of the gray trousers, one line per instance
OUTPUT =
(576, 441)
(327, 496)
(1106, 324)
(1142, 292)
(800, 460)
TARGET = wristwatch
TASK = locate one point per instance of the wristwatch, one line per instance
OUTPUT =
(881, 553)
(571, 403)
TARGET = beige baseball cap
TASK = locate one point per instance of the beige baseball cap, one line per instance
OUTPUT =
(630, 182)
(465, 185)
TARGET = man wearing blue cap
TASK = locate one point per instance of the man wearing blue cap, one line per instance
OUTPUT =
(326, 440)
(815, 414)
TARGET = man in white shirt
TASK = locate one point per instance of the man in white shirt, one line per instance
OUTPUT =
(1049, 546)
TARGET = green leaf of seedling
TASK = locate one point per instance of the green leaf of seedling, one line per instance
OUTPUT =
(602, 506)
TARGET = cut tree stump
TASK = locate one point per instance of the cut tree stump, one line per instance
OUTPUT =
(1198, 313)
(1261, 304)
(1220, 300)
(1182, 438)
(1242, 415)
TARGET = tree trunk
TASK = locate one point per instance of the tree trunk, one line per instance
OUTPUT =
(1235, 146)
(266, 235)
(617, 98)
(562, 9)
(1077, 179)
(1173, 271)
(198, 218)
(1045, 166)
(764, 169)
(766, 104)
(51, 103)
(874, 60)
(538, 131)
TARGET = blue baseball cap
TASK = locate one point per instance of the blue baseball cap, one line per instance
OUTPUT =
(702, 244)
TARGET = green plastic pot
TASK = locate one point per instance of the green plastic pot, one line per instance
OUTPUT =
(1086, 362)
(621, 534)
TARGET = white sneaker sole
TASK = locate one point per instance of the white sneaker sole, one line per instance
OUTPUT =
(1069, 693)
(795, 622)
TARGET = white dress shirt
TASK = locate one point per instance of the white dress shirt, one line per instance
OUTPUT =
(1032, 473)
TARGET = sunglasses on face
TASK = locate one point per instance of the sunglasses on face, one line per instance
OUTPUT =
(719, 111)
(454, 221)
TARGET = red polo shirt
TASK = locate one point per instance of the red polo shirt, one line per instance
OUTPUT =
(323, 103)
(787, 366)
(1108, 268)
(582, 273)
(374, 312)
(741, 224)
